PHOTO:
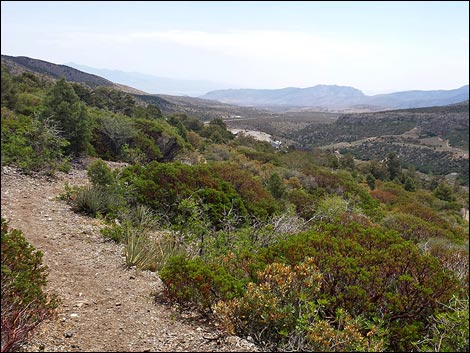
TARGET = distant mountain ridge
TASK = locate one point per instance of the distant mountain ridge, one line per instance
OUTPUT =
(201, 108)
(234, 102)
(20, 64)
(333, 96)
(154, 84)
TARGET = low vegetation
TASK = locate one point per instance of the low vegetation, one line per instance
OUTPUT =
(24, 301)
(301, 250)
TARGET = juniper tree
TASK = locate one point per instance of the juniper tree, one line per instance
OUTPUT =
(63, 107)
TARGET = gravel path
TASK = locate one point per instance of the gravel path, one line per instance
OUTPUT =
(104, 306)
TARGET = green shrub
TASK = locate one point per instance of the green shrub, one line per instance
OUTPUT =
(269, 310)
(27, 103)
(449, 329)
(96, 200)
(330, 208)
(374, 273)
(162, 186)
(115, 232)
(23, 280)
(444, 192)
(201, 284)
(414, 228)
(283, 310)
(188, 281)
(31, 144)
(276, 186)
(304, 202)
(9, 90)
(100, 174)
(111, 133)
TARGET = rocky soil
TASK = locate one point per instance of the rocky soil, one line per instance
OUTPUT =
(104, 306)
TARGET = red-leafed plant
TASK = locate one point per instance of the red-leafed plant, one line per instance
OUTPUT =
(24, 303)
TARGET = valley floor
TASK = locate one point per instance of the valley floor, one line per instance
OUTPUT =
(104, 306)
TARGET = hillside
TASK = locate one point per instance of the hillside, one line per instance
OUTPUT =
(21, 64)
(430, 139)
(337, 97)
(203, 109)
(54, 70)
(167, 232)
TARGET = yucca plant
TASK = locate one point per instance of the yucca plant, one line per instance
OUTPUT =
(147, 252)
(94, 200)
(139, 250)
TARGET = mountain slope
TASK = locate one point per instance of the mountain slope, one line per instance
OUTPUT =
(332, 96)
(56, 71)
(417, 99)
(19, 64)
(203, 109)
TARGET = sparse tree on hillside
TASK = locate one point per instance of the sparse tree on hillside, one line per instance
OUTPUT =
(410, 184)
(370, 181)
(378, 170)
(348, 162)
(9, 96)
(276, 186)
(63, 106)
(393, 166)
(444, 192)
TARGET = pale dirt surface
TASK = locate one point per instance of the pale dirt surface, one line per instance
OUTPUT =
(104, 306)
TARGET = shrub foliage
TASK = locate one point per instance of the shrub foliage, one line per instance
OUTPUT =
(24, 302)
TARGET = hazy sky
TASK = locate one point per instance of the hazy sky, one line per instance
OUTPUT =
(373, 46)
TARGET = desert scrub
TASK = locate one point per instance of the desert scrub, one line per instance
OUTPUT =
(144, 246)
(449, 329)
(148, 251)
(283, 311)
(96, 200)
(100, 174)
(24, 303)
(194, 282)
(32, 144)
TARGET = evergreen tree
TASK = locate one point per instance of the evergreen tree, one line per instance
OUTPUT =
(9, 91)
(348, 162)
(393, 166)
(410, 184)
(377, 169)
(370, 181)
(63, 107)
(444, 192)
(333, 161)
(276, 186)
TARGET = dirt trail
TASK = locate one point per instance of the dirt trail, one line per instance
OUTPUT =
(105, 307)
